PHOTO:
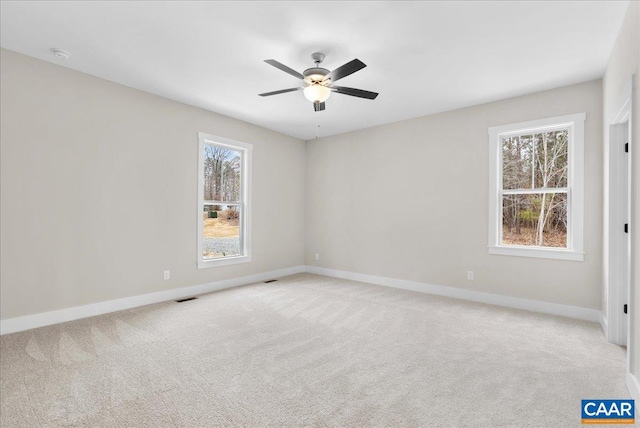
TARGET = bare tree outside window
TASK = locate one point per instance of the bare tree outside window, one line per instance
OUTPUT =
(222, 202)
(535, 171)
(221, 174)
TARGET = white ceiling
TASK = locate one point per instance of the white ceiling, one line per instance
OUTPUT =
(423, 57)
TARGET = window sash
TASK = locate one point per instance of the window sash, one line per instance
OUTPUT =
(242, 174)
(564, 190)
(541, 130)
(241, 237)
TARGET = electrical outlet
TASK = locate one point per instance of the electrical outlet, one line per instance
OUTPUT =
(317, 256)
(470, 275)
(166, 274)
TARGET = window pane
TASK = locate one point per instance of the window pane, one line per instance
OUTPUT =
(222, 174)
(221, 231)
(517, 161)
(538, 219)
(551, 159)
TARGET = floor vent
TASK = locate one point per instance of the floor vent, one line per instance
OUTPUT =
(186, 300)
(271, 280)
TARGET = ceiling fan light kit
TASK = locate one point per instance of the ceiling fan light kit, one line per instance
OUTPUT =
(317, 92)
(319, 81)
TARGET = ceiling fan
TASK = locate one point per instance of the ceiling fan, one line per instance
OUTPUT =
(319, 81)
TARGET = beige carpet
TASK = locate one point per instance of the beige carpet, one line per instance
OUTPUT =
(309, 351)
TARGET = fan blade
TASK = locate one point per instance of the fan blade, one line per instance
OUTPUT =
(360, 93)
(318, 106)
(284, 68)
(345, 70)
(281, 91)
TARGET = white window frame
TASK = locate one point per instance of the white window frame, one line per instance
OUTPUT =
(245, 203)
(574, 123)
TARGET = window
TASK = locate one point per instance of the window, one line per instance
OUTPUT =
(536, 195)
(224, 213)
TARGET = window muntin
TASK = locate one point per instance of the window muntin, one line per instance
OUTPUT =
(536, 192)
(223, 202)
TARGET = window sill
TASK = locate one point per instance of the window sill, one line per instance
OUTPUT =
(539, 252)
(204, 264)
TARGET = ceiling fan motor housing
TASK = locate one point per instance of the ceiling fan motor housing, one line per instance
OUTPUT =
(315, 74)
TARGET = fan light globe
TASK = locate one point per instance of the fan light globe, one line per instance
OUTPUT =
(317, 92)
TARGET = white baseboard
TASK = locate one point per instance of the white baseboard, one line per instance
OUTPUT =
(459, 293)
(634, 389)
(604, 325)
(28, 322)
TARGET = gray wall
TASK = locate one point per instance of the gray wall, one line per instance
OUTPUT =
(98, 190)
(99, 195)
(409, 201)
